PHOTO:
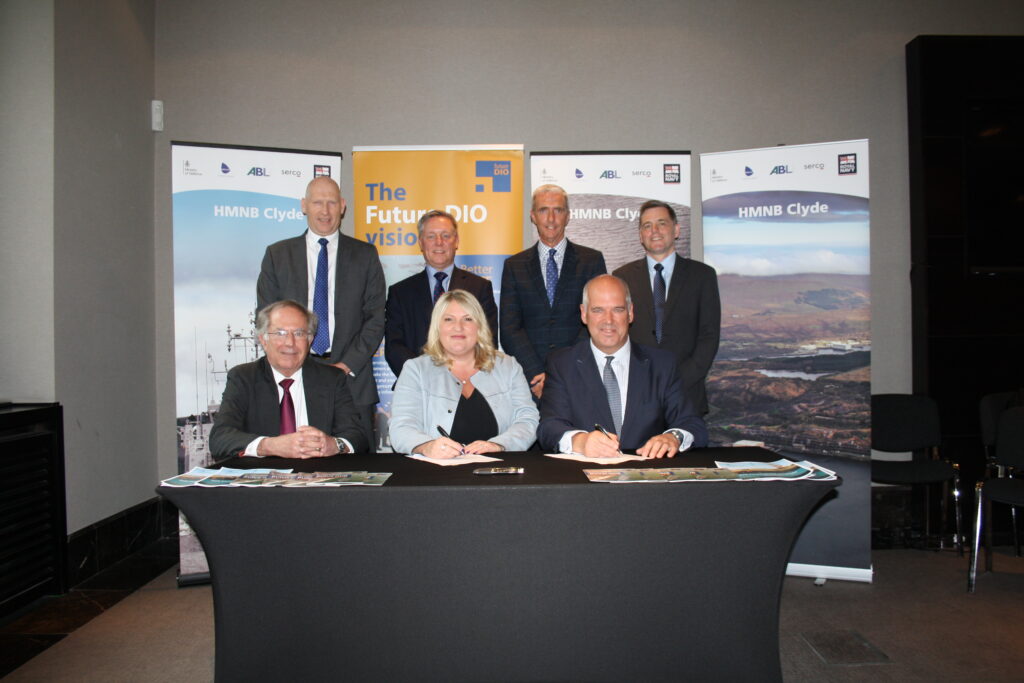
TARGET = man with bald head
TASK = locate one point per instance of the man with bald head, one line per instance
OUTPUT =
(607, 394)
(341, 280)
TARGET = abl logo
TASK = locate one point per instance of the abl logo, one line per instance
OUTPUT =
(610, 174)
(256, 170)
(780, 170)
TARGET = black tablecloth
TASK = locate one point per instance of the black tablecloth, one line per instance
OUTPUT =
(445, 575)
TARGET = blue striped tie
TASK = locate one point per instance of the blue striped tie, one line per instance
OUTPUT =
(659, 301)
(322, 341)
(611, 387)
(552, 276)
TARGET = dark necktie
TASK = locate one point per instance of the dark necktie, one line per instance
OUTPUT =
(322, 341)
(611, 387)
(659, 301)
(439, 287)
(552, 276)
(287, 408)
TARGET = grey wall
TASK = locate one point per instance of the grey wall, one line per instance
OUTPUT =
(571, 75)
(104, 328)
(86, 212)
(26, 200)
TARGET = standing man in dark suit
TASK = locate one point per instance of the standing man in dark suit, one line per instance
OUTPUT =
(285, 404)
(341, 280)
(411, 301)
(541, 288)
(675, 301)
(606, 393)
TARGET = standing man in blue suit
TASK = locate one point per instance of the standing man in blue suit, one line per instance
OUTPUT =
(675, 301)
(632, 391)
(340, 278)
(541, 288)
(411, 301)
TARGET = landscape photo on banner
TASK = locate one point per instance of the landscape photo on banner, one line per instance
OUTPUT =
(606, 190)
(229, 202)
(480, 185)
(787, 229)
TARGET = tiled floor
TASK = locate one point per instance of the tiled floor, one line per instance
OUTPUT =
(29, 632)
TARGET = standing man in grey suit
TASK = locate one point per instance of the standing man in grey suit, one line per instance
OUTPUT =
(541, 288)
(341, 280)
(411, 301)
(675, 301)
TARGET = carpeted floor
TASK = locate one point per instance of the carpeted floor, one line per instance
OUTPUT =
(914, 623)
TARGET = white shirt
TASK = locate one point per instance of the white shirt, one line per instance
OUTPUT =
(668, 265)
(298, 393)
(312, 256)
(446, 283)
(620, 366)
(542, 252)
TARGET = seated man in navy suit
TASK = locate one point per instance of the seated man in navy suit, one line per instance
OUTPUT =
(606, 394)
(286, 404)
(410, 302)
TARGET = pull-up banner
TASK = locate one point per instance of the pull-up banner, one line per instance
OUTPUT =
(480, 185)
(787, 229)
(229, 203)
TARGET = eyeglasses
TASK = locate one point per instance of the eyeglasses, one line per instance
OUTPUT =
(281, 335)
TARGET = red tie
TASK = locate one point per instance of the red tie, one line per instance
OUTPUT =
(287, 408)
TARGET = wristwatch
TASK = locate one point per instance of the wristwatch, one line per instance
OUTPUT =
(340, 443)
(678, 433)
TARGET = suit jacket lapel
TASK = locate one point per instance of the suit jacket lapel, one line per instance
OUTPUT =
(591, 384)
(534, 277)
(567, 272)
(268, 405)
(676, 287)
(639, 391)
(318, 403)
(297, 273)
(643, 297)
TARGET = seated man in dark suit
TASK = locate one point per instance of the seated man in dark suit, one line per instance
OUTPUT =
(633, 392)
(286, 404)
(542, 286)
(410, 302)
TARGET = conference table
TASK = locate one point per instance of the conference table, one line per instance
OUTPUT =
(443, 575)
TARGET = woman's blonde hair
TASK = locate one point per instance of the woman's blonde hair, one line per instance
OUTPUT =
(485, 350)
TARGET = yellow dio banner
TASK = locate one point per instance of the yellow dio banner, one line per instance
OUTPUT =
(482, 188)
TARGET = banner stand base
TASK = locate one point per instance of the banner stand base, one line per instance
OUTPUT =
(817, 571)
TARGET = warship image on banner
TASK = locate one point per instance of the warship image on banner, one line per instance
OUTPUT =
(194, 434)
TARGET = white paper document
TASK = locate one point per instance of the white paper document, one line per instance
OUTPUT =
(460, 460)
(598, 461)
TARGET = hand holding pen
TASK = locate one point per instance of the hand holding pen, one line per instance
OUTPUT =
(600, 443)
(445, 447)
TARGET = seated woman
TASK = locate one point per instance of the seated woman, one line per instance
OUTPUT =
(463, 385)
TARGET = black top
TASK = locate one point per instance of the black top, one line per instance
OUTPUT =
(474, 419)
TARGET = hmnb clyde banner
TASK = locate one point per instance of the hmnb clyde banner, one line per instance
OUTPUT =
(787, 229)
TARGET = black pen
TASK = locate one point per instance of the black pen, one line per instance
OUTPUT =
(603, 431)
(446, 435)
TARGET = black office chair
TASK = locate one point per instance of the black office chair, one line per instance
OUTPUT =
(1009, 454)
(906, 422)
(990, 408)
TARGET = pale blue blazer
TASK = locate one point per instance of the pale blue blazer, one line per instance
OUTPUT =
(426, 395)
